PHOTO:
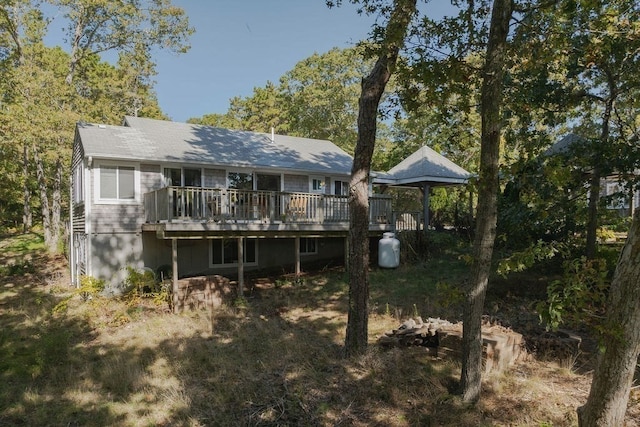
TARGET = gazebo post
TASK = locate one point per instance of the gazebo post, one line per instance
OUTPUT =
(425, 205)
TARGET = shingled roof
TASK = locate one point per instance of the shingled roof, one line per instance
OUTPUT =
(424, 166)
(166, 141)
(142, 139)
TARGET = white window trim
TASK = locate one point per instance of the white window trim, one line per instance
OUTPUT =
(319, 178)
(235, 264)
(79, 184)
(136, 183)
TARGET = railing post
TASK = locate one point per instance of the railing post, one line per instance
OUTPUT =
(321, 200)
(170, 204)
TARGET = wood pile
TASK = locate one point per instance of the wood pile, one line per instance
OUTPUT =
(502, 347)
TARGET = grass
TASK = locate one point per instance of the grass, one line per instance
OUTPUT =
(275, 360)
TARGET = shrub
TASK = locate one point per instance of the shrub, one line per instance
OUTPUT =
(143, 284)
(579, 297)
(89, 288)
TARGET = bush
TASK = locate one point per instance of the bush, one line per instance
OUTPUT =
(579, 298)
(143, 284)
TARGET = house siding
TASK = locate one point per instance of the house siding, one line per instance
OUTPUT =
(277, 255)
(150, 177)
(77, 209)
(296, 183)
(111, 253)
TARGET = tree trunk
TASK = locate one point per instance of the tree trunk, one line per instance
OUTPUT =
(372, 89)
(75, 48)
(44, 202)
(56, 208)
(487, 210)
(613, 376)
(27, 216)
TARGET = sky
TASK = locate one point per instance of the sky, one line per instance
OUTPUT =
(239, 45)
(242, 44)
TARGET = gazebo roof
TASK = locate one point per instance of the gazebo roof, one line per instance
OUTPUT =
(424, 166)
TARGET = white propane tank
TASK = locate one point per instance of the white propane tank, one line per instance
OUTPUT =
(389, 251)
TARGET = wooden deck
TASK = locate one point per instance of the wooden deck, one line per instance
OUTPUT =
(195, 212)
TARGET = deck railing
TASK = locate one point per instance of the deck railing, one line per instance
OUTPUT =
(222, 205)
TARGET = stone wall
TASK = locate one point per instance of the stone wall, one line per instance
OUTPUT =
(501, 347)
(203, 292)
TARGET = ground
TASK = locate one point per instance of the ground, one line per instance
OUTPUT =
(273, 358)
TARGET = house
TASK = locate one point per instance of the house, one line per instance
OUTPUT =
(613, 187)
(194, 200)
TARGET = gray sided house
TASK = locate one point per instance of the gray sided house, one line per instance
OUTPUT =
(192, 200)
(163, 195)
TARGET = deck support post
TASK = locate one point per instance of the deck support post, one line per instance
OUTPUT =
(297, 251)
(174, 274)
(240, 266)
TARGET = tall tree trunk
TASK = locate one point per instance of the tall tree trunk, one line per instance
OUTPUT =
(44, 201)
(56, 207)
(27, 216)
(75, 48)
(613, 376)
(372, 89)
(487, 210)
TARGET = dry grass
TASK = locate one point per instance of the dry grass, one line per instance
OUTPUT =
(276, 361)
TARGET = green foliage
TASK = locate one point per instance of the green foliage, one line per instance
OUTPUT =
(579, 297)
(450, 295)
(527, 258)
(89, 289)
(143, 284)
(140, 282)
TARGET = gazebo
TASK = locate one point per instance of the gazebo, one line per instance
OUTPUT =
(423, 169)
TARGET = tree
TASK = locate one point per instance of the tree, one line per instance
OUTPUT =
(318, 99)
(488, 183)
(586, 70)
(99, 26)
(373, 86)
(616, 365)
(321, 96)
(38, 109)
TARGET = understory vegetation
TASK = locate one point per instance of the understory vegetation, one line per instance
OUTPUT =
(275, 359)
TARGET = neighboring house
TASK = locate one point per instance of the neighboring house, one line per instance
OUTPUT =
(196, 200)
(611, 187)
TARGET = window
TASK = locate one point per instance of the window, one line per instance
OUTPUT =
(240, 181)
(78, 184)
(616, 196)
(116, 183)
(224, 252)
(308, 245)
(341, 188)
(316, 184)
(267, 182)
(179, 177)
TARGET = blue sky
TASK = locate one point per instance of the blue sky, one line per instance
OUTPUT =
(242, 44)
